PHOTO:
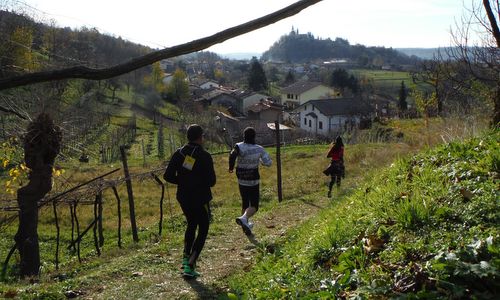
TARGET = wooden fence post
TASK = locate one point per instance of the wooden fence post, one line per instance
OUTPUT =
(58, 232)
(77, 223)
(99, 219)
(72, 224)
(143, 153)
(278, 159)
(160, 224)
(95, 222)
(118, 201)
(130, 194)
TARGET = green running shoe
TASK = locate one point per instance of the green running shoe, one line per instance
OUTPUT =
(189, 272)
(185, 261)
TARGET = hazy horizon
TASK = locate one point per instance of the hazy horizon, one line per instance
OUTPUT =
(388, 23)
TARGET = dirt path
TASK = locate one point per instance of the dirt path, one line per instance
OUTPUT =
(224, 254)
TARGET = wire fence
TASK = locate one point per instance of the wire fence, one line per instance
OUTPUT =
(88, 193)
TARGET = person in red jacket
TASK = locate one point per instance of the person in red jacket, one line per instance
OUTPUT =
(336, 168)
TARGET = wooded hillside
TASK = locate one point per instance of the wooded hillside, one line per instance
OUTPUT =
(296, 47)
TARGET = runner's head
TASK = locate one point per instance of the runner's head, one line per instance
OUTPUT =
(194, 133)
(249, 135)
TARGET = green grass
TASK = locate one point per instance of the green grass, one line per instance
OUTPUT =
(301, 183)
(388, 82)
(409, 232)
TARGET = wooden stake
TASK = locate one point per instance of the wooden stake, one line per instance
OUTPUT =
(96, 220)
(119, 216)
(58, 232)
(278, 159)
(130, 195)
(99, 219)
(160, 225)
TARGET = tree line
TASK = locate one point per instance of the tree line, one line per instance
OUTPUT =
(298, 48)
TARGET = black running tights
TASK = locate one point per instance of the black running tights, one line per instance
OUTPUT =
(197, 217)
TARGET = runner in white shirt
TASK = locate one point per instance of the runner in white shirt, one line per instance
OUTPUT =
(249, 156)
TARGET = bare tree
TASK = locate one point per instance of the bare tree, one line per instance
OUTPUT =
(136, 63)
(479, 60)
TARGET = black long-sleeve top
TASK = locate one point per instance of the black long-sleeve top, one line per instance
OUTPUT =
(193, 186)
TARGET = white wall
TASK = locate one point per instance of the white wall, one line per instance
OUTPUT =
(330, 125)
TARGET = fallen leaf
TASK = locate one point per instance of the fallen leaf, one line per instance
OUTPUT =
(10, 294)
(466, 194)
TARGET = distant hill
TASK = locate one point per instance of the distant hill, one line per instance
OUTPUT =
(298, 48)
(423, 53)
(240, 55)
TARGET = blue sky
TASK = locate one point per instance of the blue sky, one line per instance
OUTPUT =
(162, 23)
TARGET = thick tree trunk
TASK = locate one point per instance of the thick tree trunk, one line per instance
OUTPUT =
(42, 144)
(27, 236)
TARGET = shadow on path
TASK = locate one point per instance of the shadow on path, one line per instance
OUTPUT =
(311, 204)
(202, 291)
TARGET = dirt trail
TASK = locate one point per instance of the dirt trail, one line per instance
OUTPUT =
(223, 255)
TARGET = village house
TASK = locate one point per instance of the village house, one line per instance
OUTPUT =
(167, 79)
(329, 117)
(266, 111)
(248, 98)
(303, 91)
(218, 97)
(209, 84)
(384, 105)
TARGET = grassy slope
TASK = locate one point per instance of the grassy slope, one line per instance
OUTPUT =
(426, 227)
(301, 165)
(304, 189)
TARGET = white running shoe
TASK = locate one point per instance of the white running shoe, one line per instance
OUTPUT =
(243, 222)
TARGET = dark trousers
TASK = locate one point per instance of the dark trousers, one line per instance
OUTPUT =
(336, 172)
(335, 178)
(197, 217)
(249, 196)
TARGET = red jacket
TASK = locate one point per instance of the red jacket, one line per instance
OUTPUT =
(336, 154)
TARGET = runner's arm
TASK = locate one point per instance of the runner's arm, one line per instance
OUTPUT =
(232, 157)
(265, 159)
(171, 172)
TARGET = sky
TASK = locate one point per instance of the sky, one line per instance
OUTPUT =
(165, 23)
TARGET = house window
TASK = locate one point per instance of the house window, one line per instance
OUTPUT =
(305, 107)
(305, 121)
(310, 123)
(289, 96)
(320, 125)
(296, 97)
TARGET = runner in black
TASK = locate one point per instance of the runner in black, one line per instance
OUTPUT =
(192, 169)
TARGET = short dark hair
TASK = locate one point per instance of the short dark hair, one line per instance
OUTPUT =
(194, 132)
(249, 135)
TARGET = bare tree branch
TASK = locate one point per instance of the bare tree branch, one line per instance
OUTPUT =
(10, 111)
(139, 62)
(493, 21)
